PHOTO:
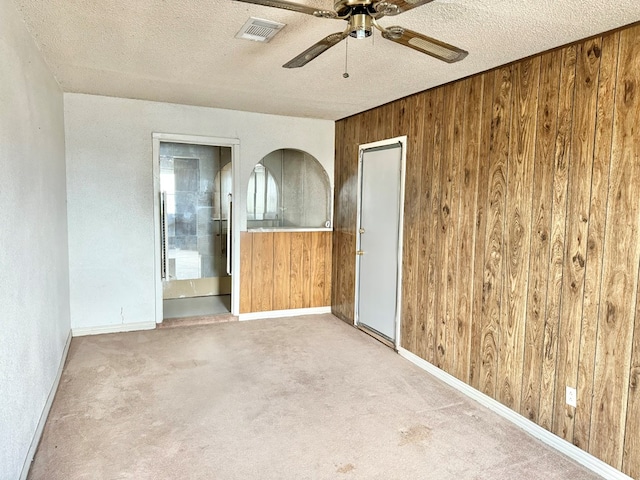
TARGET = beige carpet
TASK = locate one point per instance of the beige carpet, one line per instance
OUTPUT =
(298, 398)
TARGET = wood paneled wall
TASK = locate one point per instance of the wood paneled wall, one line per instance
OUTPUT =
(284, 270)
(522, 235)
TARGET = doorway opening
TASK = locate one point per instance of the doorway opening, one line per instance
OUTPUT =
(195, 187)
(380, 198)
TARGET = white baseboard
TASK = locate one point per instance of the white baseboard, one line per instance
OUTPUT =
(570, 450)
(35, 441)
(294, 312)
(117, 328)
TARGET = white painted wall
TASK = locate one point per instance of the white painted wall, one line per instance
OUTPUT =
(34, 278)
(110, 191)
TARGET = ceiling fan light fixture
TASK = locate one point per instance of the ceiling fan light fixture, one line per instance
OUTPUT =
(361, 25)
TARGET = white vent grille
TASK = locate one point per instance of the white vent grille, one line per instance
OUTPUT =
(259, 30)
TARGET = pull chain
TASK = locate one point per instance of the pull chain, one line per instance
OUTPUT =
(346, 58)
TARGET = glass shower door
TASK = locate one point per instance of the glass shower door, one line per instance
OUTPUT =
(195, 181)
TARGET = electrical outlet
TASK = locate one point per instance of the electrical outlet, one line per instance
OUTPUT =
(571, 396)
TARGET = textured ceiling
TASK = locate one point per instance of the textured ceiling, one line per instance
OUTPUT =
(184, 51)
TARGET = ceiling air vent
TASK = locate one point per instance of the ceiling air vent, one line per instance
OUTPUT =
(259, 30)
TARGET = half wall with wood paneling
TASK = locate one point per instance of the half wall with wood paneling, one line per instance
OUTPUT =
(284, 270)
(521, 235)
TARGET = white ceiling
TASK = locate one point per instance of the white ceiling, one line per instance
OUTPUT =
(184, 51)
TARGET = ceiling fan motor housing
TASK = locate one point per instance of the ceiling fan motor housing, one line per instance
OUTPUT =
(360, 24)
(359, 13)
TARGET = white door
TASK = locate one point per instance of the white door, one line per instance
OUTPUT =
(380, 201)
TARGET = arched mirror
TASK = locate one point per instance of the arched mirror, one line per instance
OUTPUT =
(288, 189)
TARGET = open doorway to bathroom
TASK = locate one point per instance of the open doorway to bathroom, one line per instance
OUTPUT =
(195, 183)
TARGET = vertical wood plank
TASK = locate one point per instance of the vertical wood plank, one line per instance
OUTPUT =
(422, 340)
(546, 130)
(338, 206)
(631, 459)
(481, 225)
(401, 111)
(448, 214)
(344, 226)
(368, 121)
(415, 119)
(339, 203)
(246, 271)
(622, 255)
(328, 274)
(468, 179)
(336, 278)
(262, 265)
(307, 278)
(317, 269)
(595, 238)
(375, 136)
(494, 262)
(336, 284)
(558, 221)
(350, 190)
(296, 296)
(440, 241)
(517, 242)
(281, 270)
(348, 266)
(453, 352)
(456, 326)
(430, 223)
(351, 179)
(351, 270)
(383, 121)
(580, 168)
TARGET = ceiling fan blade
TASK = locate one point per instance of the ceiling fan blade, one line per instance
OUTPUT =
(437, 49)
(394, 7)
(316, 49)
(294, 7)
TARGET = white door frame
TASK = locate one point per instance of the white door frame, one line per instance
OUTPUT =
(403, 142)
(234, 144)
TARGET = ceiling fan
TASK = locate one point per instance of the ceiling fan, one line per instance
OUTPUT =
(362, 16)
